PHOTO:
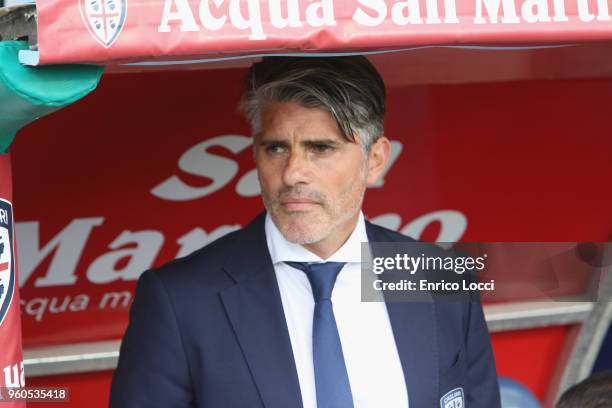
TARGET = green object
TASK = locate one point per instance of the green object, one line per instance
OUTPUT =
(27, 93)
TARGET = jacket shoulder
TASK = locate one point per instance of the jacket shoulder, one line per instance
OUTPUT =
(204, 265)
(213, 253)
(379, 233)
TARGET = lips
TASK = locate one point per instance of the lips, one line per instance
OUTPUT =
(298, 204)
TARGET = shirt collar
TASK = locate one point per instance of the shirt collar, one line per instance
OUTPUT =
(282, 250)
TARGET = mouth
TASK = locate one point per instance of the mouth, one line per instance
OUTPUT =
(298, 204)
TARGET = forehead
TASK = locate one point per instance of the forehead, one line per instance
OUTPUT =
(290, 119)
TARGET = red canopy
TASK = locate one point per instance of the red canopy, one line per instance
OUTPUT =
(104, 31)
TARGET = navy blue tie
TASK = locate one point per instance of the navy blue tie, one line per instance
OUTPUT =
(331, 377)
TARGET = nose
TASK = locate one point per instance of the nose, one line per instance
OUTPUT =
(297, 169)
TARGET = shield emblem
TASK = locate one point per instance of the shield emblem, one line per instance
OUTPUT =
(7, 266)
(104, 19)
(453, 399)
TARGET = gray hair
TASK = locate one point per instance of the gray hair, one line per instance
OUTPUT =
(349, 88)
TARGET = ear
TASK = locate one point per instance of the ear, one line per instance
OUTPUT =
(378, 157)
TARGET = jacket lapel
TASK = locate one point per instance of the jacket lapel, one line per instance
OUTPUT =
(255, 310)
(414, 329)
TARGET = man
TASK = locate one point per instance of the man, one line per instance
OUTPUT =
(592, 392)
(271, 315)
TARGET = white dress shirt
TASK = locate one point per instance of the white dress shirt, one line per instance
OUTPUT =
(373, 364)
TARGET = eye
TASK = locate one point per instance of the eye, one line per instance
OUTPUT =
(275, 148)
(321, 148)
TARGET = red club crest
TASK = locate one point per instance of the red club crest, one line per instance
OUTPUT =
(104, 19)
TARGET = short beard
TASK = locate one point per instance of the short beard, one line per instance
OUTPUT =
(305, 237)
(339, 216)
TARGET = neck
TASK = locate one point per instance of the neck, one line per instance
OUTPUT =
(330, 244)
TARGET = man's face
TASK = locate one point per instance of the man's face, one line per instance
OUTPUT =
(312, 180)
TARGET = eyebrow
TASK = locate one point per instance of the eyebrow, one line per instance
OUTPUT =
(266, 141)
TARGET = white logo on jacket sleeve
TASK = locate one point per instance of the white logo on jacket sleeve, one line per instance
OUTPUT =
(104, 19)
(453, 399)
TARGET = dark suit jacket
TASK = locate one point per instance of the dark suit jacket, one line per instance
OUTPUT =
(209, 330)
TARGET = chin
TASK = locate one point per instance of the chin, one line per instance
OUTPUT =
(302, 231)
(303, 238)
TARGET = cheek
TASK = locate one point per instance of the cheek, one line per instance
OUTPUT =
(268, 177)
(346, 182)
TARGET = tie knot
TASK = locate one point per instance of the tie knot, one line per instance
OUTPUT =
(322, 277)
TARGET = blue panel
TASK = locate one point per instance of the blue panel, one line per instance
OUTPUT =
(604, 360)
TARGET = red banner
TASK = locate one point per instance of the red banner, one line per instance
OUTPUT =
(11, 362)
(151, 166)
(125, 30)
